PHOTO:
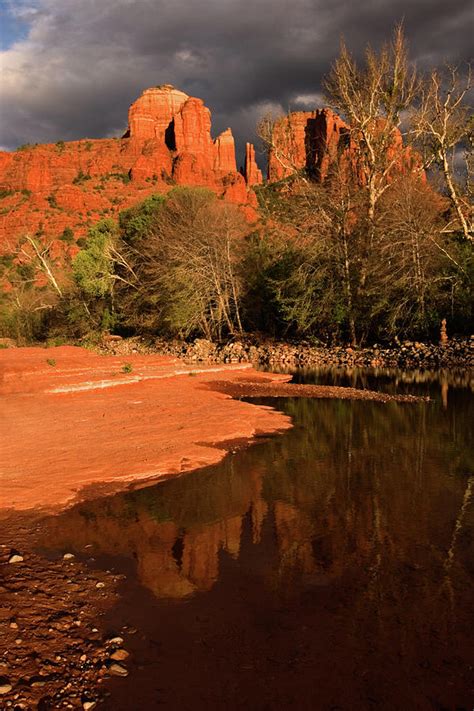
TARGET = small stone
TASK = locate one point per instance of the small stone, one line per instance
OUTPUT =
(120, 655)
(13, 626)
(118, 670)
(68, 556)
(115, 640)
(15, 558)
(5, 688)
(100, 585)
(83, 657)
(89, 705)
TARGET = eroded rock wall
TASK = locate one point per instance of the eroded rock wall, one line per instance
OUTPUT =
(321, 143)
(46, 188)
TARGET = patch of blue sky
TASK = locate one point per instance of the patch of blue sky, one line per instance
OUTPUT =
(15, 18)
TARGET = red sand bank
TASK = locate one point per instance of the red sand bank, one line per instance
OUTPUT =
(72, 420)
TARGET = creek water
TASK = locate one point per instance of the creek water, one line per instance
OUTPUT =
(331, 567)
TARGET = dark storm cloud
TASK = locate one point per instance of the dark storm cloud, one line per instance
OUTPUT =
(84, 61)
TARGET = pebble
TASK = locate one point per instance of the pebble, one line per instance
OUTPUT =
(118, 670)
(5, 688)
(115, 640)
(100, 585)
(68, 556)
(89, 705)
(15, 558)
(119, 655)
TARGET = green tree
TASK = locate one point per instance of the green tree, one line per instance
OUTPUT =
(97, 269)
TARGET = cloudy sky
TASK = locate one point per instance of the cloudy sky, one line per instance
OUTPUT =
(70, 68)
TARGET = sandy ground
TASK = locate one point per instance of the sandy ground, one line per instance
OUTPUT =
(72, 421)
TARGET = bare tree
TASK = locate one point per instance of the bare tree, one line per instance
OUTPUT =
(317, 227)
(40, 257)
(416, 270)
(23, 306)
(373, 99)
(190, 265)
(442, 126)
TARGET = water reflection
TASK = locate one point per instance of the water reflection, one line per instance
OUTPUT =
(359, 522)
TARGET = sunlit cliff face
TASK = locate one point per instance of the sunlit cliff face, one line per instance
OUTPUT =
(48, 187)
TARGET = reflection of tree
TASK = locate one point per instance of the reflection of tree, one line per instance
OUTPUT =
(458, 530)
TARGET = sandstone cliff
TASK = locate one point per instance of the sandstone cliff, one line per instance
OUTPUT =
(320, 142)
(46, 188)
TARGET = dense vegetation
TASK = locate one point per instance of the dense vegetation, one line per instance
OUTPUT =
(373, 253)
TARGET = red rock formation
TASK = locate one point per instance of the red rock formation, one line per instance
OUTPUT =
(46, 188)
(151, 114)
(252, 173)
(319, 141)
(288, 152)
(224, 161)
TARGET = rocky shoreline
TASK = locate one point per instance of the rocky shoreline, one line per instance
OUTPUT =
(56, 650)
(457, 352)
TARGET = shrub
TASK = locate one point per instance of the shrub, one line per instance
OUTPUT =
(67, 236)
(81, 177)
(52, 201)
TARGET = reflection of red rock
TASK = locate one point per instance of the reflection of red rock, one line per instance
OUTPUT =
(168, 142)
(293, 529)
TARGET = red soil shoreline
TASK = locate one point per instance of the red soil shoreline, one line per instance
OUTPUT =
(72, 420)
